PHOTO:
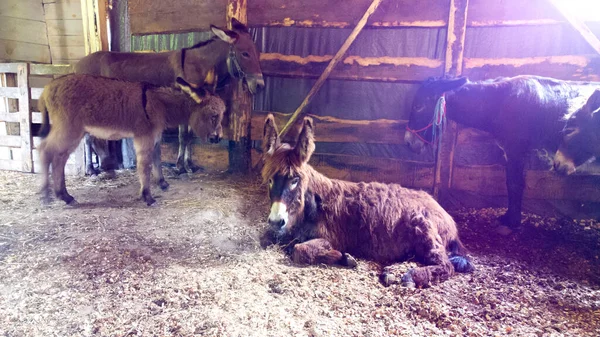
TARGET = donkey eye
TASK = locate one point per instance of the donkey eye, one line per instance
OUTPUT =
(569, 131)
(271, 183)
(294, 183)
(245, 54)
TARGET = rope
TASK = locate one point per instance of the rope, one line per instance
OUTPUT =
(438, 123)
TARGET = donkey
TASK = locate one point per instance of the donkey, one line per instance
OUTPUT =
(230, 53)
(328, 221)
(523, 113)
(114, 109)
(581, 137)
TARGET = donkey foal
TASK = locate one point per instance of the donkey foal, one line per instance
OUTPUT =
(113, 109)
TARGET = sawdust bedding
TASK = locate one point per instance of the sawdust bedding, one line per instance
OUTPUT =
(192, 266)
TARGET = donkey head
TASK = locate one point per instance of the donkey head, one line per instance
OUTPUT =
(243, 60)
(285, 170)
(419, 130)
(581, 137)
(206, 112)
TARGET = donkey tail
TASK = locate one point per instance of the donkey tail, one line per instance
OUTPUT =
(45, 129)
(458, 257)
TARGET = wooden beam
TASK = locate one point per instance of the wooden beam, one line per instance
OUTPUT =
(334, 61)
(485, 13)
(25, 115)
(384, 68)
(345, 14)
(567, 67)
(159, 16)
(331, 129)
(93, 24)
(578, 24)
(240, 110)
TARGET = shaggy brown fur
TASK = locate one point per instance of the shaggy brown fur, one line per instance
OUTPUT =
(113, 109)
(333, 218)
(200, 65)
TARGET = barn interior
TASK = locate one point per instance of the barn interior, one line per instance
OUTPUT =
(193, 265)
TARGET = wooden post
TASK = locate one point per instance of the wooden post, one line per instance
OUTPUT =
(25, 117)
(578, 24)
(334, 61)
(95, 33)
(240, 113)
(455, 44)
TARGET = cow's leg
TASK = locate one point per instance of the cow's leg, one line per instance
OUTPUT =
(89, 167)
(144, 146)
(181, 149)
(515, 184)
(157, 167)
(46, 157)
(317, 251)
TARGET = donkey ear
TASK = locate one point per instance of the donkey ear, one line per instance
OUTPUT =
(197, 94)
(228, 36)
(306, 141)
(270, 136)
(593, 103)
(236, 25)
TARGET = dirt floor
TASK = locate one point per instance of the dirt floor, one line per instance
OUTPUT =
(192, 265)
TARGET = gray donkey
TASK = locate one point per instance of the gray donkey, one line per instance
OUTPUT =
(114, 109)
(231, 53)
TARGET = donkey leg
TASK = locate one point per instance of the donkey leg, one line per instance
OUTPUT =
(515, 184)
(317, 251)
(157, 167)
(438, 269)
(89, 157)
(143, 148)
(181, 150)
(189, 165)
(46, 157)
(58, 175)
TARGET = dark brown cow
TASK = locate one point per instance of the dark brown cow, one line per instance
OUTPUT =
(326, 220)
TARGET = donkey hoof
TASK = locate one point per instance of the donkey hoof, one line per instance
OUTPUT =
(407, 280)
(149, 200)
(72, 203)
(349, 261)
(387, 279)
(504, 230)
(163, 185)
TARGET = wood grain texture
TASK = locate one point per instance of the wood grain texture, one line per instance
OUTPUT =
(159, 16)
(63, 10)
(384, 69)
(23, 51)
(568, 67)
(25, 118)
(511, 13)
(65, 27)
(23, 9)
(343, 14)
(23, 30)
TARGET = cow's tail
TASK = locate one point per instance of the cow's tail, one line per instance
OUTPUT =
(45, 129)
(458, 257)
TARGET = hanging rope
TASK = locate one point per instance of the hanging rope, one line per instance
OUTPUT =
(438, 124)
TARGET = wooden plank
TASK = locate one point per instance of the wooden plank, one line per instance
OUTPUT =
(63, 40)
(240, 115)
(10, 141)
(491, 181)
(50, 69)
(9, 92)
(12, 117)
(36, 93)
(337, 130)
(511, 13)
(23, 51)
(343, 14)
(568, 67)
(25, 114)
(385, 68)
(23, 9)
(10, 165)
(65, 27)
(67, 52)
(159, 16)
(63, 10)
(9, 67)
(101, 24)
(23, 30)
(579, 25)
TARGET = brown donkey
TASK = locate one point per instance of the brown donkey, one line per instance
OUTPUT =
(229, 54)
(325, 220)
(113, 109)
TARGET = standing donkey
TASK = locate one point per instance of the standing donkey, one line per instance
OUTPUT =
(230, 53)
(324, 220)
(523, 113)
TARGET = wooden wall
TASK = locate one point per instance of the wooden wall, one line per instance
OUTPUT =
(23, 34)
(65, 30)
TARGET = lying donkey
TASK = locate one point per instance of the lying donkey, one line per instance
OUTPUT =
(325, 220)
(581, 137)
(231, 53)
(113, 109)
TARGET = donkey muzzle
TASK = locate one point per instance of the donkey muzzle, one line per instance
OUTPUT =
(214, 139)
(415, 144)
(255, 82)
